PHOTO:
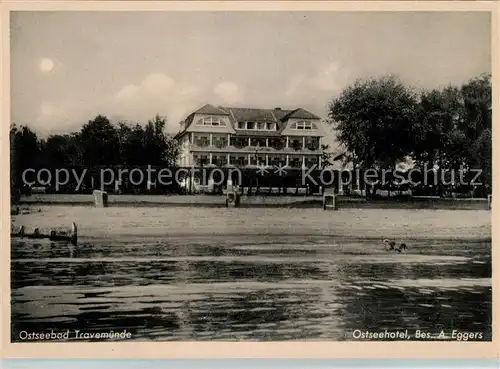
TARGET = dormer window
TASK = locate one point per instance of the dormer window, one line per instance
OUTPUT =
(258, 126)
(303, 125)
(211, 121)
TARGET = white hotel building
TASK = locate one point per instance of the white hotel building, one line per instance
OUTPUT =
(226, 136)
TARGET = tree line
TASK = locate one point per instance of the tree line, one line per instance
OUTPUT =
(99, 143)
(381, 122)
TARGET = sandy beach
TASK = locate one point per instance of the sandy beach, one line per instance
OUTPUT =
(349, 222)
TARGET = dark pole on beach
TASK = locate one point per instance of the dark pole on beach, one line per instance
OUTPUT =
(256, 171)
(191, 181)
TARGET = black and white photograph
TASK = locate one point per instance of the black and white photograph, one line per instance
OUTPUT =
(235, 175)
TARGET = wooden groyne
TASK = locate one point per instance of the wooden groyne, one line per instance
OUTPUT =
(70, 235)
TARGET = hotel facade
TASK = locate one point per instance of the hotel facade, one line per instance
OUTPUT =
(242, 137)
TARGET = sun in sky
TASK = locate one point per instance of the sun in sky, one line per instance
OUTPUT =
(46, 65)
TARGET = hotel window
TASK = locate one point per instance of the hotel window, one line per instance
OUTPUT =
(295, 162)
(302, 125)
(258, 142)
(201, 141)
(220, 160)
(201, 160)
(278, 161)
(312, 143)
(261, 126)
(241, 125)
(219, 142)
(241, 160)
(271, 126)
(211, 121)
(310, 162)
(250, 125)
(296, 144)
(239, 142)
(277, 143)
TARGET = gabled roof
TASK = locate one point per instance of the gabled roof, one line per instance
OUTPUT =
(205, 109)
(281, 113)
(278, 116)
(210, 109)
(250, 114)
(300, 114)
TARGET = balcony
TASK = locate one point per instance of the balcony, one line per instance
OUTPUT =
(312, 144)
(201, 160)
(220, 143)
(239, 142)
(295, 162)
(279, 161)
(311, 162)
(258, 142)
(238, 160)
(295, 145)
(201, 142)
(219, 161)
(277, 143)
(268, 145)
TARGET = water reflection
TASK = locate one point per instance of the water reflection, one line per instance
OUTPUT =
(249, 287)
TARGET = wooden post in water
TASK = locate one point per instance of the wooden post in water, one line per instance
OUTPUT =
(74, 234)
(490, 200)
(100, 199)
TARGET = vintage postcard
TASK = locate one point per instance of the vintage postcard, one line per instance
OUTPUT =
(250, 179)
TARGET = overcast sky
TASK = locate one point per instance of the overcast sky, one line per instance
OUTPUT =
(67, 67)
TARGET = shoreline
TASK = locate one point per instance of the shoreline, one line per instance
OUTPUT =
(290, 225)
(218, 201)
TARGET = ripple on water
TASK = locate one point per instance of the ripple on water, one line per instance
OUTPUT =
(249, 287)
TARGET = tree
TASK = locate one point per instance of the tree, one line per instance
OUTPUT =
(478, 116)
(438, 139)
(98, 140)
(60, 151)
(477, 104)
(24, 152)
(159, 148)
(454, 128)
(482, 158)
(374, 120)
(130, 142)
